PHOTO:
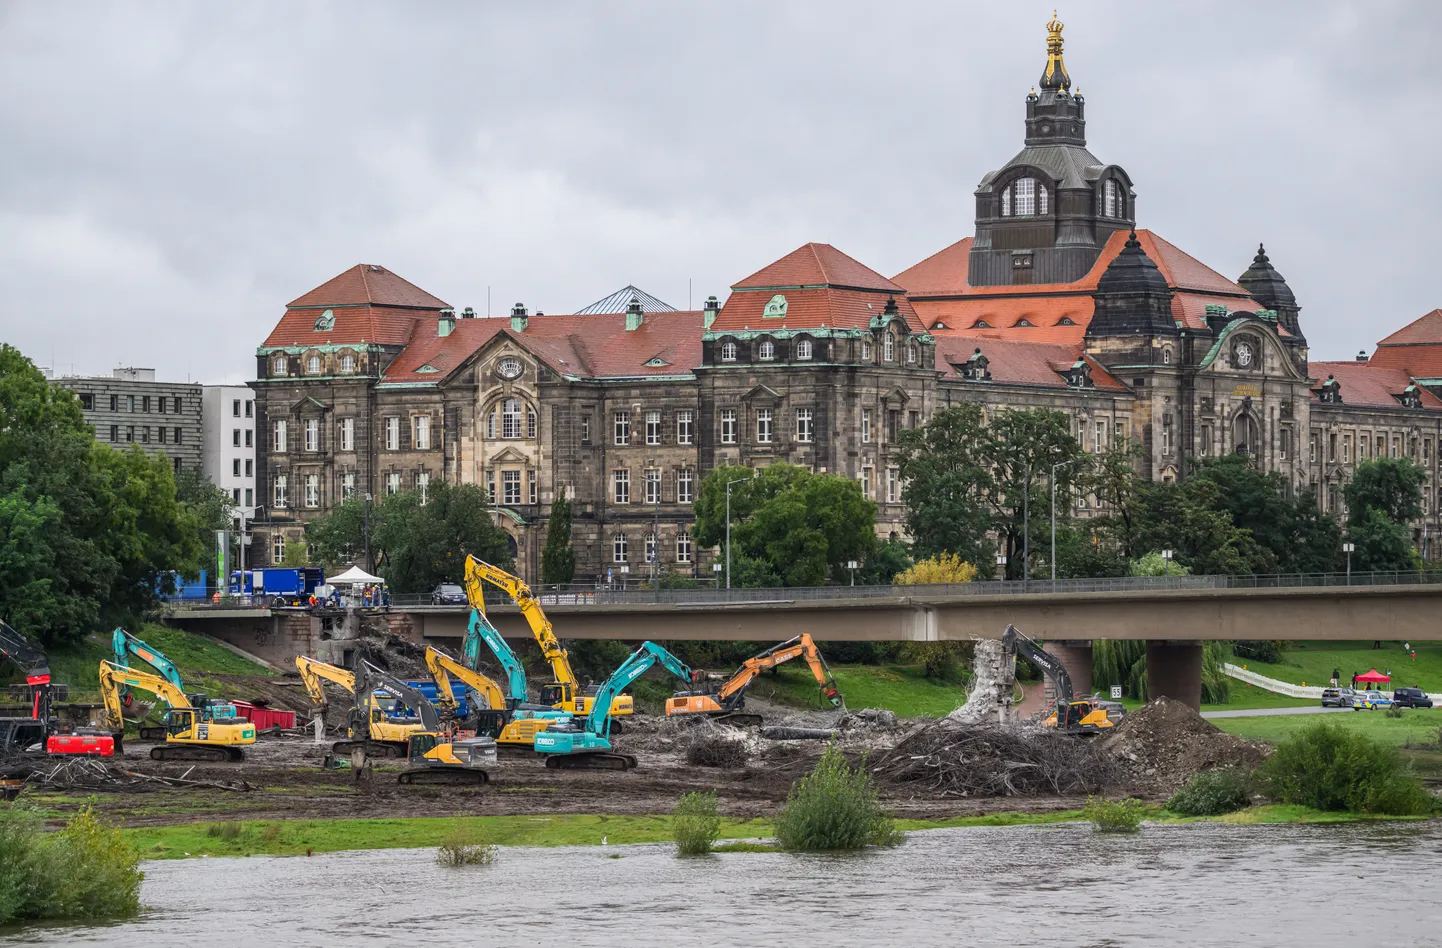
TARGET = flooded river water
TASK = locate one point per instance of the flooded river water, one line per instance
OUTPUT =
(1199, 885)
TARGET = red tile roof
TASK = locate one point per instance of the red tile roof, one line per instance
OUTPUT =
(817, 265)
(591, 346)
(366, 283)
(1415, 348)
(1365, 385)
(353, 325)
(1426, 330)
(1020, 363)
(826, 307)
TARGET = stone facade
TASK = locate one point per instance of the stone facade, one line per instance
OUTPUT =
(131, 407)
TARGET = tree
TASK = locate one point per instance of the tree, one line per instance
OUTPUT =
(416, 543)
(1300, 538)
(558, 560)
(1381, 544)
(1154, 564)
(1390, 485)
(800, 528)
(943, 568)
(886, 559)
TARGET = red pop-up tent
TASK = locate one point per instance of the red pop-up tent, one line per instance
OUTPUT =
(1374, 677)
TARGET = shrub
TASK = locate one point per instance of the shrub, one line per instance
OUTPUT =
(229, 832)
(834, 807)
(1114, 816)
(87, 870)
(1212, 793)
(1393, 712)
(695, 824)
(1329, 767)
(465, 847)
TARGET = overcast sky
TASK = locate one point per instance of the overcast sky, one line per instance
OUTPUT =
(173, 173)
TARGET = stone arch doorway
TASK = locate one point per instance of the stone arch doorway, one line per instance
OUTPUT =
(1247, 435)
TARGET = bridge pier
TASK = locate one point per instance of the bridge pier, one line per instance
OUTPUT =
(1075, 656)
(1174, 670)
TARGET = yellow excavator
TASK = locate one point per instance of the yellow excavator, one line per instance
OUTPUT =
(564, 692)
(437, 754)
(1070, 715)
(510, 727)
(726, 702)
(188, 735)
(369, 725)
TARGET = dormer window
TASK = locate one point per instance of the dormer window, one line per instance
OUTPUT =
(1065, 321)
(347, 363)
(1111, 198)
(888, 347)
(911, 355)
(312, 365)
(866, 350)
(325, 322)
(277, 364)
(975, 368)
(803, 350)
(939, 325)
(766, 351)
(728, 352)
(1027, 196)
(1022, 322)
(981, 324)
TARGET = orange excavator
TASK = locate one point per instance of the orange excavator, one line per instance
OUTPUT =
(725, 703)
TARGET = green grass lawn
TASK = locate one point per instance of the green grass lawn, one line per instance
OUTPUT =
(900, 688)
(1312, 663)
(195, 656)
(1417, 727)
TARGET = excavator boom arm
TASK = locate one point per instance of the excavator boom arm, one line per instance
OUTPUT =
(480, 631)
(1013, 639)
(530, 608)
(599, 720)
(27, 656)
(113, 676)
(126, 644)
(442, 667)
(778, 655)
(373, 677)
(315, 674)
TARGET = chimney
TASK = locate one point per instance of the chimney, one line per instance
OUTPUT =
(519, 319)
(634, 315)
(711, 310)
(446, 322)
(468, 313)
(1361, 355)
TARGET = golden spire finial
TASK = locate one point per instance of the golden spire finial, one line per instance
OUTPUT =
(1055, 27)
(1055, 76)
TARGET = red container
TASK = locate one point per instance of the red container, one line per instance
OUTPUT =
(264, 718)
(94, 745)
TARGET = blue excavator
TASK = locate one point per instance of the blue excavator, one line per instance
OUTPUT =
(585, 744)
(125, 645)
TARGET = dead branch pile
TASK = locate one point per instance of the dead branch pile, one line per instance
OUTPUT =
(711, 746)
(993, 761)
(92, 773)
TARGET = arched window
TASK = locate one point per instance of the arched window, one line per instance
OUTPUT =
(866, 350)
(347, 363)
(683, 546)
(511, 418)
(728, 352)
(650, 548)
(277, 364)
(911, 354)
(312, 365)
(1041, 199)
(1006, 202)
(767, 350)
(888, 347)
(803, 350)
(618, 548)
(531, 424)
(1167, 356)
(1025, 197)
(1109, 198)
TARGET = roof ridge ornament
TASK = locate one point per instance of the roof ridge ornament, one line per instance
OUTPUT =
(1055, 76)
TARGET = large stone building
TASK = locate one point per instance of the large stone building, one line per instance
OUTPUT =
(371, 385)
(130, 407)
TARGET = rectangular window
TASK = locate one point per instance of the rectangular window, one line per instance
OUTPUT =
(177, 463)
(491, 425)
(585, 429)
(728, 426)
(1396, 446)
(279, 436)
(1346, 449)
(249, 497)
(531, 424)
(511, 488)
(1426, 450)
(491, 487)
(249, 468)
(144, 434)
(277, 549)
(621, 486)
(161, 402)
(1285, 448)
(618, 548)
(683, 546)
(235, 437)
(178, 433)
(249, 407)
(893, 485)
(866, 426)
(347, 434)
(129, 432)
(1099, 437)
(312, 490)
(913, 419)
(312, 434)
(653, 486)
(393, 482)
(145, 403)
(532, 487)
(683, 427)
(235, 408)
(423, 484)
(248, 438)
(347, 485)
(685, 486)
(1312, 447)
(511, 418)
(130, 403)
(1331, 447)
(161, 430)
(653, 427)
(114, 402)
(423, 432)
(87, 401)
(114, 432)
(176, 404)
(650, 548)
(893, 421)
(393, 433)
(763, 426)
(1168, 433)
(234, 465)
(621, 428)
(278, 493)
(866, 482)
(803, 424)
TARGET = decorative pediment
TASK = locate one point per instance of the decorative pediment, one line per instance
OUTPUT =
(763, 394)
(308, 405)
(895, 398)
(508, 455)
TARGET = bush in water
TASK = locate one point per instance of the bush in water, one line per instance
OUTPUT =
(695, 824)
(1114, 816)
(465, 847)
(834, 807)
(1329, 767)
(1212, 793)
(87, 870)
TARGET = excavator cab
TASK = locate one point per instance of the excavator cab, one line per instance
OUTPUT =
(180, 722)
(489, 723)
(556, 694)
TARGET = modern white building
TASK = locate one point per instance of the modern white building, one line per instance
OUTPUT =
(228, 456)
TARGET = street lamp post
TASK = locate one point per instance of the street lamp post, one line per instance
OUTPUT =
(1026, 530)
(1348, 548)
(728, 525)
(1167, 562)
(1054, 469)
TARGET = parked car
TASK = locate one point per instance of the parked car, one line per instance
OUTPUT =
(1411, 698)
(1371, 701)
(448, 594)
(1337, 697)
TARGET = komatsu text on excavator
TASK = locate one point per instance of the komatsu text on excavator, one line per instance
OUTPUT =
(726, 702)
(188, 736)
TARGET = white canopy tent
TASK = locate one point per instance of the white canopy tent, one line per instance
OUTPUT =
(355, 576)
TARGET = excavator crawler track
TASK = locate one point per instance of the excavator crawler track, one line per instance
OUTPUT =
(598, 760)
(196, 752)
(152, 734)
(444, 776)
(372, 748)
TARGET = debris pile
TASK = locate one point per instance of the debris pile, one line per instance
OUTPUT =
(1161, 745)
(988, 760)
(92, 773)
(710, 745)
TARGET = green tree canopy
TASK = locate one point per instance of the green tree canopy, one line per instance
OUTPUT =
(558, 560)
(1298, 537)
(800, 528)
(1390, 485)
(416, 545)
(1381, 543)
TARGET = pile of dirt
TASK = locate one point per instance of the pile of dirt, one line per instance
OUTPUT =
(1161, 745)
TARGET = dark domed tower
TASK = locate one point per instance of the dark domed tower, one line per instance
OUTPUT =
(1269, 288)
(1045, 216)
(1133, 306)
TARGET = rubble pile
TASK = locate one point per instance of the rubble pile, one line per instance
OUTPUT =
(712, 745)
(993, 678)
(93, 773)
(1161, 745)
(988, 760)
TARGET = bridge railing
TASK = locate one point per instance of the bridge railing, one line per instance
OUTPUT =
(634, 593)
